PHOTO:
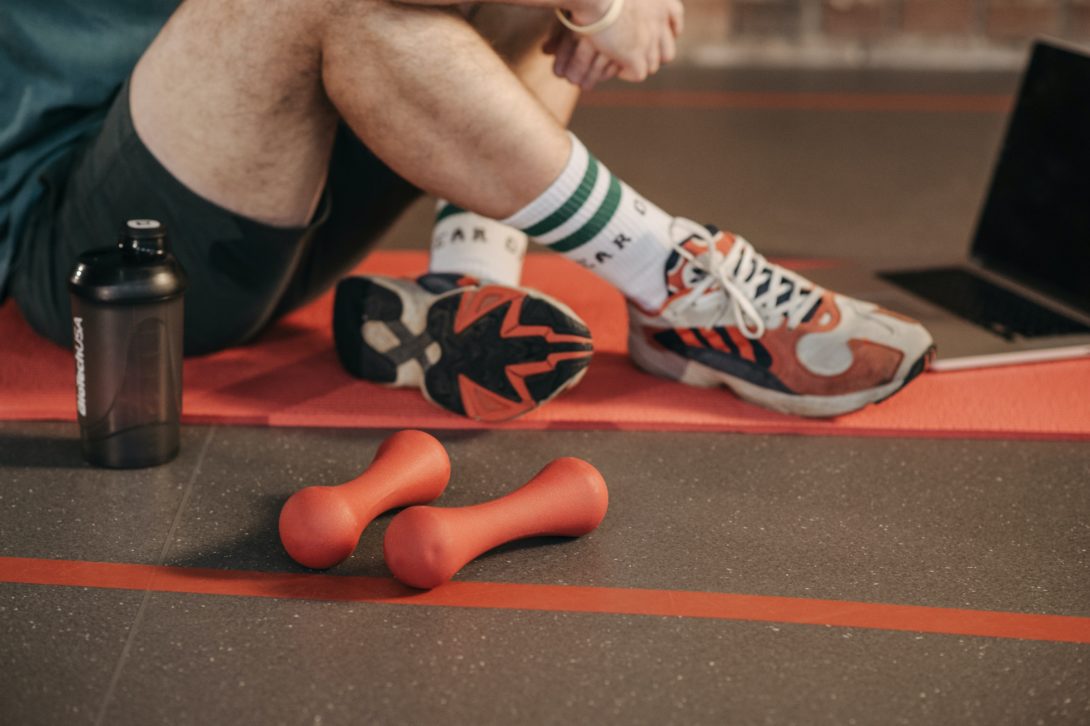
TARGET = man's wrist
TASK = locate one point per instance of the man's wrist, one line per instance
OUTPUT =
(585, 12)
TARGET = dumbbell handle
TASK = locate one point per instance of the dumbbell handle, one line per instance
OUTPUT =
(425, 546)
(403, 472)
(321, 525)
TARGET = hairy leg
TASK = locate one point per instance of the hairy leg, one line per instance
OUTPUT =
(518, 34)
(240, 102)
(422, 89)
(228, 97)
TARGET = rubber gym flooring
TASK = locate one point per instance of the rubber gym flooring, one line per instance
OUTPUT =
(735, 579)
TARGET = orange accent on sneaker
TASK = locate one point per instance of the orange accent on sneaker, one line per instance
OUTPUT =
(484, 405)
(716, 342)
(827, 306)
(512, 328)
(873, 365)
(480, 302)
(689, 338)
(486, 299)
(745, 349)
(466, 281)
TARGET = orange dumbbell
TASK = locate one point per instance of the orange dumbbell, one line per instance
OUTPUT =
(320, 526)
(425, 546)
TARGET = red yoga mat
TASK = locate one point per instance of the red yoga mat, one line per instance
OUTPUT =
(291, 377)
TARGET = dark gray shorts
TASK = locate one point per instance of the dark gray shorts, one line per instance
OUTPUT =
(242, 274)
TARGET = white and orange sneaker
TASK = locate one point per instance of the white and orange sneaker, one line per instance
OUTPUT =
(773, 337)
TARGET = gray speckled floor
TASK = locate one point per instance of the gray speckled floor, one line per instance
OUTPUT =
(974, 524)
(968, 524)
(352, 664)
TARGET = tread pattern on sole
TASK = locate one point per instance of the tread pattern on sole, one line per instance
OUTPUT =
(504, 352)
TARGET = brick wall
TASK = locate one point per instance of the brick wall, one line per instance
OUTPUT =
(920, 33)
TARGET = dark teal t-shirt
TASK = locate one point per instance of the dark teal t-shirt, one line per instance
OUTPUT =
(61, 62)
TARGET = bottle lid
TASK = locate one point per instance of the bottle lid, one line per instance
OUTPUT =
(143, 237)
(140, 269)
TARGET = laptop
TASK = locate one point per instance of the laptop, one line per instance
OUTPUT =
(1024, 292)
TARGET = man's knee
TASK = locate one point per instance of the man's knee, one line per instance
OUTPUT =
(512, 30)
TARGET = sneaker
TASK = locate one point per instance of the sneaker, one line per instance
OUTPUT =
(485, 351)
(770, 335)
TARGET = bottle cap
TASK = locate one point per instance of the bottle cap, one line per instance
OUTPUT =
(143, 237)
(139, 269)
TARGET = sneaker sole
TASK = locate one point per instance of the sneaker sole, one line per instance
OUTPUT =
(490, 353)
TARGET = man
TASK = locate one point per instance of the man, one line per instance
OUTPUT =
(241, 125)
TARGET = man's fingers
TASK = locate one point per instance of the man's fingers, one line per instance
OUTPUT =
(668, 48)
(677, 18)
(634, 72)
(596, 73)
(581, 61)
(565, 46)
(642, 39)
(654, 60)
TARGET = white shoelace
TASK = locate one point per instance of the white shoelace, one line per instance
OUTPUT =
(741, 273)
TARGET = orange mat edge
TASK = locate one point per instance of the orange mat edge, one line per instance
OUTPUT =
(535, 425)
(291, 377)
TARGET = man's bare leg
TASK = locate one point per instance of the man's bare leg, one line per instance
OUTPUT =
(518, 35)
(228, 97)
(467, 244)
(462, 125)
(240, 103)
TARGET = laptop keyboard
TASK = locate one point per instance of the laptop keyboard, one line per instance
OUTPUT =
(980, 301)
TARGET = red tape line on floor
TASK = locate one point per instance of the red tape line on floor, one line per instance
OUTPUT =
(552, 598)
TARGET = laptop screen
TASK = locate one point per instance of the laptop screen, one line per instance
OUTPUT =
(1035, 225)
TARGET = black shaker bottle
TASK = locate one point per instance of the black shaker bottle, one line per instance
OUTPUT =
(127, 339)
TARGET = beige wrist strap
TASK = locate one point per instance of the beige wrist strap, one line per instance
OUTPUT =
(597, 26)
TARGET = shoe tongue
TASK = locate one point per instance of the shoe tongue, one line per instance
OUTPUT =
(681, 272)
(699, 243)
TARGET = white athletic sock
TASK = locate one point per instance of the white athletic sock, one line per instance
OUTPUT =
(595, 219)
(466, 243)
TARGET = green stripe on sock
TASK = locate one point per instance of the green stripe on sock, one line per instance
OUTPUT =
(571, 206)
(600, 219)
(448, 210)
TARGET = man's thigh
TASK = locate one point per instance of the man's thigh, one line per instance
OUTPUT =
(242, 273)
(229, 98)
(363, 198)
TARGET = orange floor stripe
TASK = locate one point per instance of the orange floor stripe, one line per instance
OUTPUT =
(801, 101)
(553, 598)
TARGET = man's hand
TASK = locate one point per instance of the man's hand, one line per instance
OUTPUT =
(633, 48)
